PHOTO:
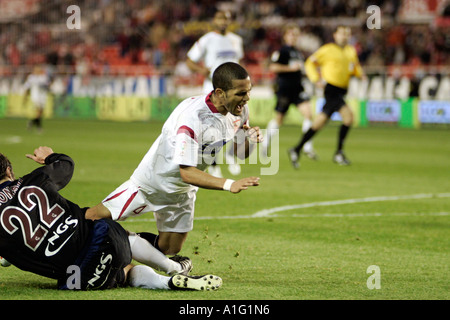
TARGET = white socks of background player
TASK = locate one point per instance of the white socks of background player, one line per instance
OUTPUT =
(144, 252)
(145, 277)
(308, 146)
(271, 130)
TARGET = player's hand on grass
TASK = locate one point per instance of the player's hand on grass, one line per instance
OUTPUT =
(40, 154)
(243, 184)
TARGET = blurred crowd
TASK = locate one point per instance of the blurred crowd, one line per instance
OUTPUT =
(155, 35)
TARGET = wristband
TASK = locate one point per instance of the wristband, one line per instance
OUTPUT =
(227, 185)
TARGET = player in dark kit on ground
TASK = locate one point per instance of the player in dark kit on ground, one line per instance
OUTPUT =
(44, 233)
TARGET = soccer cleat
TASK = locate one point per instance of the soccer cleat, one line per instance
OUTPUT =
(185, 262)
(340, 159)
(215, 171)
(235, 169)
(4, 262)
(311, 154)
(199, 283)
(294, 157)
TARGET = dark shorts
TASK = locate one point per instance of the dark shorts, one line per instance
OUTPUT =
(334, 99)
(286, 97)
(102, 260)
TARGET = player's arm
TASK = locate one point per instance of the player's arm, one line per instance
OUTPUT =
(197, 67)
(58, 167)
(199, 178)
(279, 68)
(313, 66)
(312, 69)
(252, 136)
(279, 63)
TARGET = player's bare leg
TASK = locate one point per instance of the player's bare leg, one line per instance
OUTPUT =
(170, 243)
(347, 120)
(294, 153)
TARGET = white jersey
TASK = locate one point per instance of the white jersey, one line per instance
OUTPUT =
(215, 49)
(193, 135)
(38, 85)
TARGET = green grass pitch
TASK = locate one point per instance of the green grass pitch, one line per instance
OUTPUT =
(389, 209)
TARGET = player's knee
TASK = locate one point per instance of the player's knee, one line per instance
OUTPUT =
(98, 212)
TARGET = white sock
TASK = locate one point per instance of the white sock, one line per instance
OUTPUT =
(308, 146)
(145, 277)
(272, 126)
(229, 155)
(145, 253)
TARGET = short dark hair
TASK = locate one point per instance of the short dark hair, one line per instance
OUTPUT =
(340, 26)
(225, 74)
(4, 164)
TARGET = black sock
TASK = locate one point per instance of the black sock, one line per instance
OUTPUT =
(343, 131)
(150, 237)
(307, 136)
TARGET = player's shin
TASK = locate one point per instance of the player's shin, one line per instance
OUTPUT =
(143, 252)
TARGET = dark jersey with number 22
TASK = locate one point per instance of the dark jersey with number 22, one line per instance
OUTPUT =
(41, 231)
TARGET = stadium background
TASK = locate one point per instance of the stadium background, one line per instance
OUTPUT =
(126, 62)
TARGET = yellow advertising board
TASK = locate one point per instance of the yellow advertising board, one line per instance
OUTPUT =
(123, 108)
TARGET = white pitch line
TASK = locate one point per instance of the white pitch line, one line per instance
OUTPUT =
(270, 212)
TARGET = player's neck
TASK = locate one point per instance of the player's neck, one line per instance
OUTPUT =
(220, 107)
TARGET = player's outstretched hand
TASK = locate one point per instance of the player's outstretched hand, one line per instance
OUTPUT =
(243, 184)
(40, 154)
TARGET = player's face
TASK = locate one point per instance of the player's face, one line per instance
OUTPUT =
(342, 35)
(291, 36)
(221, 21)
(238, 96)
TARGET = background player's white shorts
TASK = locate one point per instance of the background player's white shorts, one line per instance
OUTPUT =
(173, 212)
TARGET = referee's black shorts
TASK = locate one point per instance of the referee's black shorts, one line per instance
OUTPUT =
(334, 99)
(104, 257)
(290, 95)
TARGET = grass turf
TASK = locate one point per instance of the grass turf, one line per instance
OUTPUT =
(320, 251)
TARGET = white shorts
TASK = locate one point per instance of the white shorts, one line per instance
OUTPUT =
(173, 212)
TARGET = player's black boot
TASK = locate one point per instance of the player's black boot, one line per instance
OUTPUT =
(200, 283)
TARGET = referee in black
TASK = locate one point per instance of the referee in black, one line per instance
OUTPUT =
(337, 63)
(288, 64)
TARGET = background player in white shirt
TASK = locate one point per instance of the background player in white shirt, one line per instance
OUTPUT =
(210, 51)
(167, 179)
(37, 86)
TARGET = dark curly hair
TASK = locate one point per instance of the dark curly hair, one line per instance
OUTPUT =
(4, 164)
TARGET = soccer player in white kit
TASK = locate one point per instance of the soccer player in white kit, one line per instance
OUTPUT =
(37, 84)
(210, 51)
(215, 48)
(168, 177)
